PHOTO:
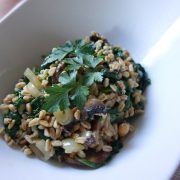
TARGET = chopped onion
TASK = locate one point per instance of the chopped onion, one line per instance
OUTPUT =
(36, 151)
(39, 150)
(33, 90)
(71, 146)
(86, 134)
(32, 78)
(64, 117)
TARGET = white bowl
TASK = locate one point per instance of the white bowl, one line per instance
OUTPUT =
(146, 29)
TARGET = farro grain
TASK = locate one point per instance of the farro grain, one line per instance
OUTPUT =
(20, 85)
(107, 148)
(52, 133)
(126, 74)
(28, 108)
(11, 143)
(24, 125)
(52, 71)
(103, 97)
(22, 142)
(75, 135)
(131, 68)
(44, 123)
(106, 82)
(8, 98)
(4, 107)
(55, 124)
(56, 143)
(27, 98)
(14, 99)
(47, 118)
(126, 114)
(123, 129)
(58, 132)
(137, 99)
(12, 108)
(77, 114)
(94, 89)
(28, 139)
(76, 127)
(121, 106)
(80, 140)
(47, 145)
(86, 124)
(24, 116)
(52, 121)
(81, 154)
(1, 131)
(111, 56)
(131, 111)
(125, 53)
(11, 124)
(7, 121)
(107, 58)
(139, 111)
(25, 92)
(41, 127)
(7, 138)
(100, 52)
(42, 114)
(44, 83)
(27, 151)
(118, 99)
(99, 146)
(87, 39)
(113, 87)
(124, 97)
(46, 132)
(114, 66)
(111, 96)
(34, 122)
(110, 103)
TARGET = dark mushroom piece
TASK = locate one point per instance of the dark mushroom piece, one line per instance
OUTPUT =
(93, 159)
(95, 38)
(90, 141)
(71, 161)
(93, 107)
(97, 157)
(55, 77)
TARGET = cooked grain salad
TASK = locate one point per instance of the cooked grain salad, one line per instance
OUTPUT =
(78, 106)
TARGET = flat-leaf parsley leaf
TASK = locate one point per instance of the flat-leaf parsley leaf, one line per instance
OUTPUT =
(92, 77)
(57, 99)
(58, 53)
(80, 96)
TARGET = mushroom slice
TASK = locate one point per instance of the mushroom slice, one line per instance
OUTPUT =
(93, 107)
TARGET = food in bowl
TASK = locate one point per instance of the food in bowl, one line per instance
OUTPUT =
(78, 106)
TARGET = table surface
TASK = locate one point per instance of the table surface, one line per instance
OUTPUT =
(7, 5)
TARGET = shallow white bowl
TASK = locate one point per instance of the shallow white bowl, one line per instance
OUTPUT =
(150, 30)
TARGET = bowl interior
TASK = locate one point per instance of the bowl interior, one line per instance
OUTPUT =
(135, 25)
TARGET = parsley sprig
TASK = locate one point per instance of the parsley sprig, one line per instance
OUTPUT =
(79, 48)
(79, 74)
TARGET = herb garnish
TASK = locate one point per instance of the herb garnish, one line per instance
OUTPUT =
(72, 90)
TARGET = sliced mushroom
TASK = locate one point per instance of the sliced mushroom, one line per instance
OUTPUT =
(98, 157)
(90, 141)
(71, 161)
(95, 38)
(93, 159)
(93, 107)
(59, 69)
